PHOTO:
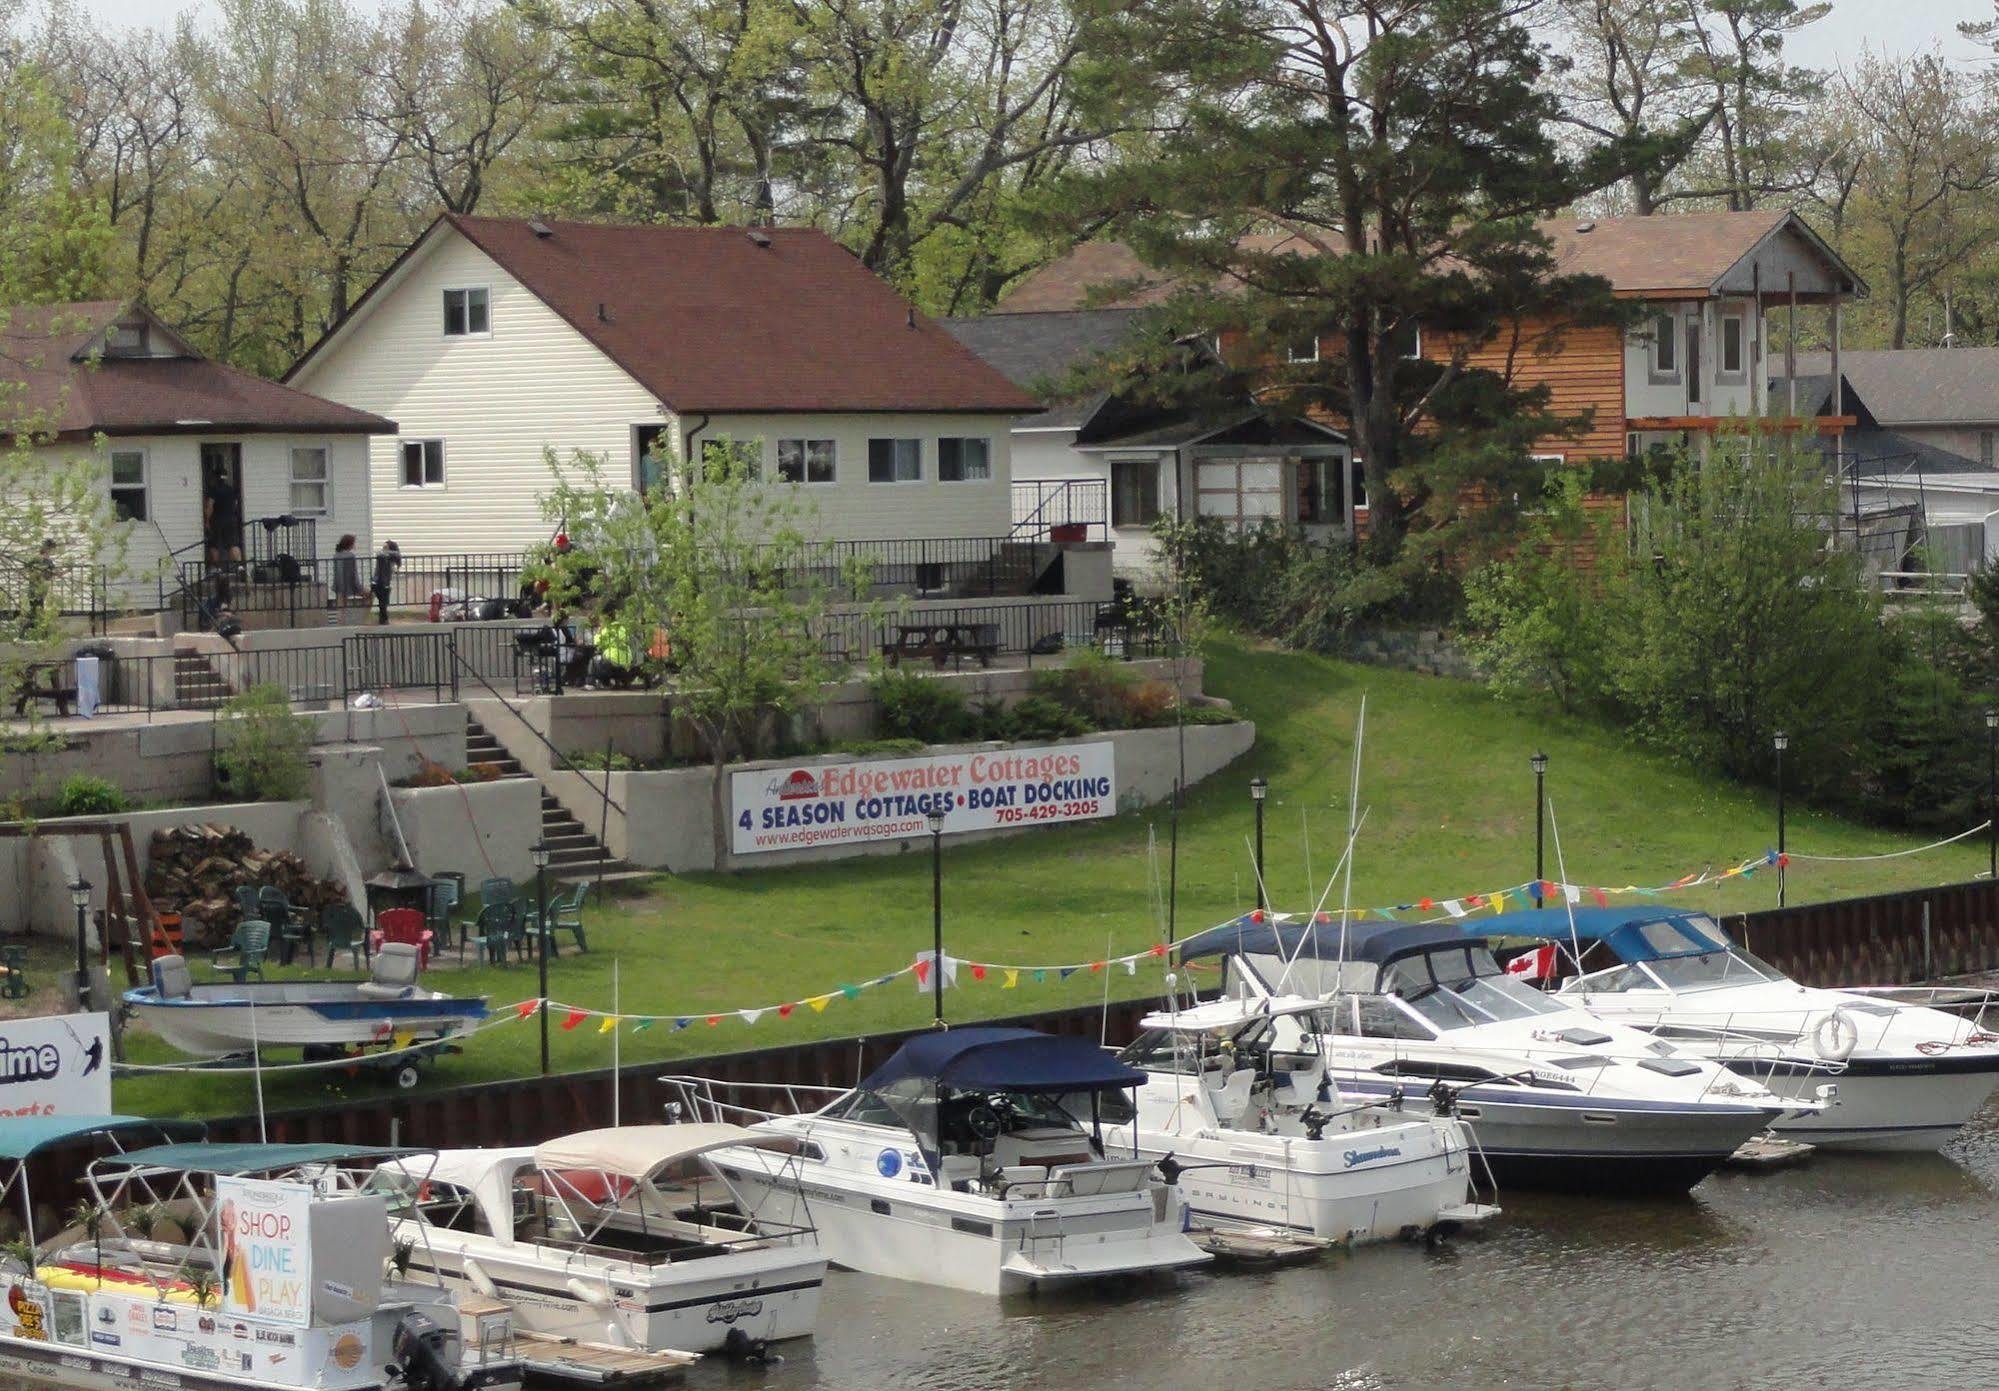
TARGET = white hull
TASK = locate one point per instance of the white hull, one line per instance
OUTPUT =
(687, 1307)
(213, 1031)
(907, 1231)
(1355, 1186)
(1885, 1111)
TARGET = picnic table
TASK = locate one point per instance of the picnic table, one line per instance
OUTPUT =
(943, 642)
(43, 681)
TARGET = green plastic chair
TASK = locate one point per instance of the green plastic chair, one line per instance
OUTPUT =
(247, 904)
(565, 914)
(15, 985)
(248, 946)
(496, 931)
(346, 931)
(294, 925)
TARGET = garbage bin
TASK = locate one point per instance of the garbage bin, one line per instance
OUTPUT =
(108, 692)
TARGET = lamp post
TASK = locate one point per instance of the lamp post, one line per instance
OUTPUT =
(1539, 763)
(1780, 741)
(541, 855)
(79, 897)
(1992, 794)
(1258, 790)
(935, 817)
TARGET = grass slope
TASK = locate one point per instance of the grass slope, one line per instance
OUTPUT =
(1449, 803)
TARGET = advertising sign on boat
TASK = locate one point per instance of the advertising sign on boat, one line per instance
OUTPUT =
(57, 1065)
(801, 807)
(266, 1249)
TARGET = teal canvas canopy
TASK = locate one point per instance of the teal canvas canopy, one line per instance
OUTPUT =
(22, 1137)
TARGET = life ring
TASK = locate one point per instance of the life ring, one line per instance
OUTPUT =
(1836, 1036)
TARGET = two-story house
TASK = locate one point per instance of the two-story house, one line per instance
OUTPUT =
(1711, 291)
(495, 340)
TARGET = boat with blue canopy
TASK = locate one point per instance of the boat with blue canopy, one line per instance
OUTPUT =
(1891, 1074)
(1423, 1016)
(972, 1158)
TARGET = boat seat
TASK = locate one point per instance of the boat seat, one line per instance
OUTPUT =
(394, 972)
(958, 1170)
(171, 978)
(1231, 1098)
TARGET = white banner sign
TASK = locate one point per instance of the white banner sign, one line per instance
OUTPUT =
(266, 1249)
(841, 803)
(56, 1065)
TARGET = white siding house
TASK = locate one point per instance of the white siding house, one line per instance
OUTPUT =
(494, 341)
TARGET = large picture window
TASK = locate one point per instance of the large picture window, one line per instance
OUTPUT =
(895, 460)
(807, 461)
(1134, 492)
(1244, 492)
(964, 459)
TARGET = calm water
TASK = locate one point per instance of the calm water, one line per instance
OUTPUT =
(1850, 1272)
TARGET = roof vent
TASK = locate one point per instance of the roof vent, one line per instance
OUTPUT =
(759, 238)
(540, 228)
(1585, 227)
(603, 313)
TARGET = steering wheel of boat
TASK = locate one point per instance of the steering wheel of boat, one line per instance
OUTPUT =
(983, 1121)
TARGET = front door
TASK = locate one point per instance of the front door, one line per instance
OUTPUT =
(222, 502)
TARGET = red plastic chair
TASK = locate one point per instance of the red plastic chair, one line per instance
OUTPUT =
(405, 925)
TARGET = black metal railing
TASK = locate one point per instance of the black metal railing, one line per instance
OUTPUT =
(1061, 509)
(1037, 630)
(32, 586)
(455, 585)
(939, 567)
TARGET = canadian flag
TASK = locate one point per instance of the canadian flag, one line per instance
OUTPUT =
(1538, 964)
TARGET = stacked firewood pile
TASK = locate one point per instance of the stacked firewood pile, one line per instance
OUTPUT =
(196, 870)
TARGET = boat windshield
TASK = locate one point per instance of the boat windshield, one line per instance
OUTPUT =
(1460, 994)
(1711, 969)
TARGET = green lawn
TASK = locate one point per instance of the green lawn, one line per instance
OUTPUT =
(1449, 802)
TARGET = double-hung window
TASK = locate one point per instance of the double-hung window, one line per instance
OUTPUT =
(895, 461)
(467, 313)
(128, 484)
(423, 463)
(311, 481)
(807, 461)
(1134, 491)
(966, 459)
(1665, 346)
(1732, 346)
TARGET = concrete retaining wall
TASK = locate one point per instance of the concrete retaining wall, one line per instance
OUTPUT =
(668, 822)
(471, 826)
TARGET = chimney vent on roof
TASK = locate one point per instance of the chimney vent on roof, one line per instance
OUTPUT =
(540, 228)
(1585, 227)
(603, 314)
(759, 238)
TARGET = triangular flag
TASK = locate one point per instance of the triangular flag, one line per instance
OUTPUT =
(713, 1020)
(1602, 898)
(1784, 861)
(1063, 971)
(1096, 966)
(1159, 950)
(1454, 908)
(1040, 976)
(1427, 904)
(405, 1040)
(1476, 900)
(610, 1023)
(1573, 892)
(576, 1016)
(1499, 902)
(526, 1008)
(682, 1023)
(784, 1011)
(853, 991)
(1012, 979)
(978, 971)
(643, 1025)
(750, 1016)
(922, 971)
(819, 1003)
(1131, 965)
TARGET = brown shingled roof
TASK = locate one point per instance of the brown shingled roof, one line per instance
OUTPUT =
(778, 319)
(1676, 255)
(46, 349)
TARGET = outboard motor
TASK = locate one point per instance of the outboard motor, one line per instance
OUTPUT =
(422, 1351)
(742, 1346)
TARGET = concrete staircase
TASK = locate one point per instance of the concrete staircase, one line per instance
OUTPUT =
(197, 684)
(574, 853)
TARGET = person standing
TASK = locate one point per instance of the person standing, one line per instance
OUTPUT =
(387, 561)
(347, 573)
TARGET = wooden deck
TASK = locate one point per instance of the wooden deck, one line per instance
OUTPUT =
(1262, 1246)
(552, 1359)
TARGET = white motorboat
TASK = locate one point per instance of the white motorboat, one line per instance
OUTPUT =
(1901, 1076)
(258, 1269)
(973, 1158)
(624, 1237)
(1260, 1137)
(1559, 1099)
(388, 1011)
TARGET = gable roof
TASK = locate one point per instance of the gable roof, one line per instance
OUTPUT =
(1919, 386)
(767, 319)
(70, 390)
(1667, 256)
(1034, 351)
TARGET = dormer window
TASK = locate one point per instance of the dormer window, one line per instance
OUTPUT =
(467, 313)
(126, 340)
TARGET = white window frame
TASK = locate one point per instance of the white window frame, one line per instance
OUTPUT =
(916, 440)
(402, 470)
(444, 311)
(1158, 491)
(986, 440)
(145, 484)
(1741, 367)
(1664, 344)
(325, 482)
(805, 443)
(1291, 353)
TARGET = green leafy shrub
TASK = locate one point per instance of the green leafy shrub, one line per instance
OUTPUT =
(1042, 717)
(1097, 688)
(908, 706)
(81, 794)
(265, 756)
(878, 748)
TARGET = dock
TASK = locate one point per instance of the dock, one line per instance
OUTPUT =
(1259, 1246)
(1467, 1218)
(549, 1359)
(1763, 1153)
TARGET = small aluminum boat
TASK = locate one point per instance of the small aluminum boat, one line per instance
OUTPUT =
(327, 1019)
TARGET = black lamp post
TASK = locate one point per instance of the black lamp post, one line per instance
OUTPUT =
(540, 854)
(1539, 763)
(79, 897)
(1992, 794)
(1780, 741)
(936, 819)
(1258, 790)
